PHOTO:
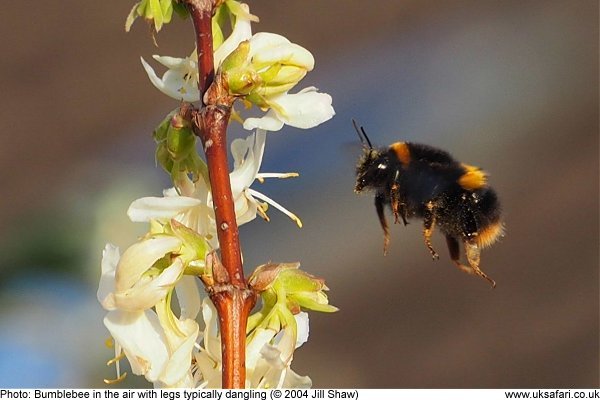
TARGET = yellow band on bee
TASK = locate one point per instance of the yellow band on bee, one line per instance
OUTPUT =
(402, 152)
(488, 235)
(473, 178)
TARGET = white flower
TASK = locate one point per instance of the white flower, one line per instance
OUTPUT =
(268, 354)
(180, 81)
(271, 367)
(181, 334)
(277, 65)
(305, 109)
(133, 288)
(162, 353)
(267, 49)
(191, 208)
(247, 155)
(157, 344)
(194, 207)
(139, 335)
(241, 31)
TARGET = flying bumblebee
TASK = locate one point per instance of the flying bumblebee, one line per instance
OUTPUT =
(420, 181)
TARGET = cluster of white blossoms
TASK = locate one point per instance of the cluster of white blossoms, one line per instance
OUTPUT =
(173, 351)
(139, 287)
(262, 68)
(191, 202)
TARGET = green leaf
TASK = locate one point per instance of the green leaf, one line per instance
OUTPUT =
(135, 12)
(166, 7)
(238, 57)
(218, 37)
(294, 281)
(194, 246)
(180, 142)
(155, 14)
(316, 301)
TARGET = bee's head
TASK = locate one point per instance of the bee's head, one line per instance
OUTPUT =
(372, 170)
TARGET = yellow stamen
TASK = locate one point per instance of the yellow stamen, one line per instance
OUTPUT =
(262, 211)
(278, 206)
(120, 378)
(261, 176)
(114, 360)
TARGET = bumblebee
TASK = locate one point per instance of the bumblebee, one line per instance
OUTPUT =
(420, 181)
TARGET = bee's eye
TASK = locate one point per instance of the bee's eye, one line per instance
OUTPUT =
(382, 166)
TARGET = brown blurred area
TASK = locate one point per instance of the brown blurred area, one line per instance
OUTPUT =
(511, 86)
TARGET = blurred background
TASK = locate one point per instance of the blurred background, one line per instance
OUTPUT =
(510, 86)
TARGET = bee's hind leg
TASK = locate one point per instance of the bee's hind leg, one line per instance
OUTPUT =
(428, 225)
(473, 256)
(473, 252)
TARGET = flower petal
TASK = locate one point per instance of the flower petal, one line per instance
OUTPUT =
(147, 208)
(138, 258)
(268, 48)
(180, 361)
(150, 291)
(264, 40)
(212, 340)
(175, 63)
(269, 122)
(241, 31)
(302, 328)
(305, 109)
(188, 296)
(245, 210)
(110, 260)
(173, 84)
(209, 370)
(140, 336)
(260, 337)
(252, 150)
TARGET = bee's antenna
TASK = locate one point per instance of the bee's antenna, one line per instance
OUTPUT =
(362, 135)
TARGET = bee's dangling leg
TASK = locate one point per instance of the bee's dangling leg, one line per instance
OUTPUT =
(473, 256)
(428, 224)
(454, 249)
(379, 206)
(397, 206)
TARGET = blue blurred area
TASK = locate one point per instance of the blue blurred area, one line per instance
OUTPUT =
(509, 86)
(49, 324)
(41, 371)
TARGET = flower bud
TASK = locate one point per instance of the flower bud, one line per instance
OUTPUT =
(176, 148)
(180, 140)
(269, 48)
(155, 12)
(301, 289)
(238, 57)
(278, 74)
(241, 81)
(194, 246)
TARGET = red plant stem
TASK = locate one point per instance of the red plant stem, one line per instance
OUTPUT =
(201, 12)
(213, 129)
(231, 297)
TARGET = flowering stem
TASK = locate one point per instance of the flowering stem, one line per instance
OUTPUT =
(231, 296)
(201, 12)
